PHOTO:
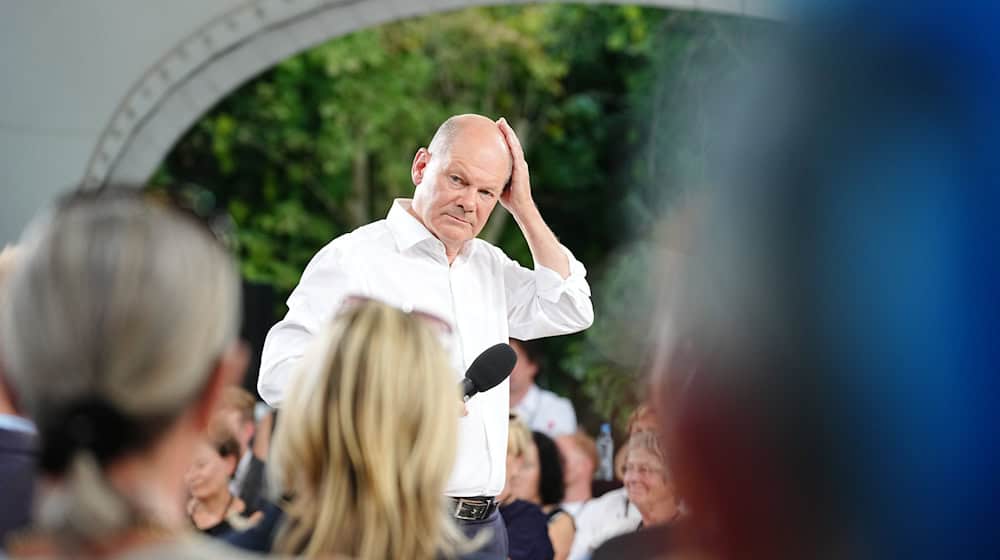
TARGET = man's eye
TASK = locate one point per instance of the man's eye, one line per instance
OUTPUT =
(487, 194)
(456, 179)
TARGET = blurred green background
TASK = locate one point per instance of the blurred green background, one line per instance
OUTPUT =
(606, 100)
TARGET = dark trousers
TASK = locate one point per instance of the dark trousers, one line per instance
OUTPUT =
(496, 546)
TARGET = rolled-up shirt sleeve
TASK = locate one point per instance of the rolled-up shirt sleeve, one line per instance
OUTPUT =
(541, 302)
(324, 284)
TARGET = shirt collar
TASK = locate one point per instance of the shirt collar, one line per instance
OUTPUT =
(406, 229)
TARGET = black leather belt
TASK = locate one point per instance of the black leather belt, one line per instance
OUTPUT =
(476, 508)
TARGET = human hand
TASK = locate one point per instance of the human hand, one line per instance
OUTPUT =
(516, 198)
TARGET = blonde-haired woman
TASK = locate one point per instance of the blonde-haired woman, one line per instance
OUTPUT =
(527, 525)
(366, 441)
(118, 335)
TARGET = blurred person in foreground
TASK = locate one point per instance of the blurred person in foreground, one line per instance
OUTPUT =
(527, 525)
(250, 475)
(542, 410)
(650, 487)
(118, 336)
(579, 456)
(366, 441)
(425, 256)
(842, 301)
(18, 439)
(541, 482)
(213, 508)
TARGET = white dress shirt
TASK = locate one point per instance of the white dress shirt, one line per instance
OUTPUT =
(486, 296)
(600, 519)
(546, 412)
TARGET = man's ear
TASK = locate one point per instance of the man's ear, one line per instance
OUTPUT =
(420, 162)
(228, 371)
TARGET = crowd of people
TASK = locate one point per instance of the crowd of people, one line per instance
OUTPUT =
(810, 384)
(121, 370)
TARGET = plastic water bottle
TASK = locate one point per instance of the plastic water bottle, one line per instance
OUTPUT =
(606, 454)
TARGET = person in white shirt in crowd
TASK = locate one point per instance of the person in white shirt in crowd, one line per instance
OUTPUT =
(612, 514)
(425, 256)
(542, 410)
(579, 455)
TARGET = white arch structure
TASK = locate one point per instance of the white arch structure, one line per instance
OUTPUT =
(100, 91)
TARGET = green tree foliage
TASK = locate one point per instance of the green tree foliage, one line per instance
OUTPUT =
(323, 141)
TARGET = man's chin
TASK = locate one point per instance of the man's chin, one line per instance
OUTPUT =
(455, 233)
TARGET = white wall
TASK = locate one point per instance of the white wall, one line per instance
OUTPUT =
(64, 67)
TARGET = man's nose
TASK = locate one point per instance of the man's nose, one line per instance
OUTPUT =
(467, 201)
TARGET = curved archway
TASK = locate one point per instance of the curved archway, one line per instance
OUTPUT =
(226, 51)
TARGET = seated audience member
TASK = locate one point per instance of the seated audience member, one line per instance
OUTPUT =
(650, 487)
(579, 456)
(611, 513)
(541, 410)
(648, 481)
(541, 483)
(17, 442)
(118, 334)
(366, 441)
(237, 413)
(527, 525)
(213, 508)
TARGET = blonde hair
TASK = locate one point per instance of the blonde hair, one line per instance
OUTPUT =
(518, 437)
(120, 302)
(239, 399)
(650, 442)
(366, 441)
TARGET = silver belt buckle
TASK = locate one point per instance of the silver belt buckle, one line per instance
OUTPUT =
(468, 511)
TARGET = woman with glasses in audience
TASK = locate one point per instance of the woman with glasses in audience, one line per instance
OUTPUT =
(366, 440)
(650, 487)
(118, 336)
(648, 482)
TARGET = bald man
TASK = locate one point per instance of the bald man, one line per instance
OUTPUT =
(425, 256)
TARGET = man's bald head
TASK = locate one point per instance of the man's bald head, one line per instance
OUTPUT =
(460, 178)
(471, 128)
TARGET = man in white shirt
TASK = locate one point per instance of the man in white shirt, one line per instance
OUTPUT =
(425, 256)
(541, 410)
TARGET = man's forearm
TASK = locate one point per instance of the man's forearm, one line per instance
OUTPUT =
(545, 248)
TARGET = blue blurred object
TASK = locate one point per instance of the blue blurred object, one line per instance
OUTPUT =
(844, 302)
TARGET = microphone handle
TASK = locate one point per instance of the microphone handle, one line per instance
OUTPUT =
(468, 388)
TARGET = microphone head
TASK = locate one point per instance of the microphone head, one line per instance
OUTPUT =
(491, 367)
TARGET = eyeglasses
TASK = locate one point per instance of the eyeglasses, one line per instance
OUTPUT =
(439, 326)
(643, 470)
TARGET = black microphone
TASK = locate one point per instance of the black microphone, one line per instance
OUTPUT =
(488, 370)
